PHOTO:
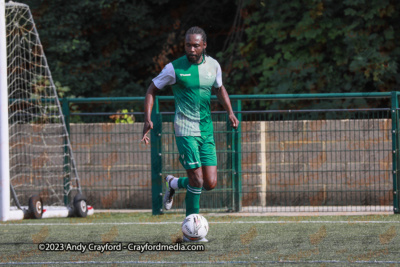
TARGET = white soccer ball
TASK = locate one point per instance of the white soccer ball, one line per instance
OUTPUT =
(195, 227)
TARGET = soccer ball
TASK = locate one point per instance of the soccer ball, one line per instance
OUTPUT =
(195, 227)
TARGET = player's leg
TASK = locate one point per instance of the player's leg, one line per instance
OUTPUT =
(173, 183)
(196, 179)
(208, 157)
(190, 159)
(209, 177)
(204, 176)
(193, 191)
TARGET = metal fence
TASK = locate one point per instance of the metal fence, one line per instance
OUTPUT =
(303, 159)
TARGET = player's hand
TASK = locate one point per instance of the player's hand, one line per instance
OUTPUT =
(148, 125)
(234, 121)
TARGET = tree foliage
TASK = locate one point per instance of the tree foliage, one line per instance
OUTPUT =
(316, 46)
(97, 47)
(115, 47)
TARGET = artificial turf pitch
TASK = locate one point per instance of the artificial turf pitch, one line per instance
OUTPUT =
(233, 240)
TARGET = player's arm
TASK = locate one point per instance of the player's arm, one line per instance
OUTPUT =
(148, 107)
(166, 77)
(223, 98)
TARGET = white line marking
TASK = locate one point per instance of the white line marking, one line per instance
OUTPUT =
(227, 222)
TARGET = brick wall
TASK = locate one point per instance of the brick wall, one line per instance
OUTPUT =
(114, 166)
(337, 162)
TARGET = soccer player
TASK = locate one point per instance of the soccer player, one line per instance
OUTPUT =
(192, 76)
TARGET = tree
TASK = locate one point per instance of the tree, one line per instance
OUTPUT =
(315, 46)
(114, 48)
(97, 48)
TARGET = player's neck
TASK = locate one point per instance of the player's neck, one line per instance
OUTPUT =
(201, 61)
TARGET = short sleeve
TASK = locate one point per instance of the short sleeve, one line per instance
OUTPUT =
(218, 78)
(166, 77)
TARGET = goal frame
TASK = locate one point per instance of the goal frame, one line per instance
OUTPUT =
(6, 211)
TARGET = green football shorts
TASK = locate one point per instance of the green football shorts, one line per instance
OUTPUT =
(196, 151)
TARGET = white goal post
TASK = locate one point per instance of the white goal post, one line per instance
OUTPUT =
(37, 164)
(4, 146)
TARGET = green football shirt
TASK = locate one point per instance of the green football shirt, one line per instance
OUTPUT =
(191, 86)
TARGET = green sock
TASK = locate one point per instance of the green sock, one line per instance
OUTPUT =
(192, 200)
(183, 182)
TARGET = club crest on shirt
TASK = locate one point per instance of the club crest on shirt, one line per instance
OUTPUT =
(209, 75)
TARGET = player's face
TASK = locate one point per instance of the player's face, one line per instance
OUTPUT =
(194, 47)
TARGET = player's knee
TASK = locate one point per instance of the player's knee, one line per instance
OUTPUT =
(208, 187)
(210, 184)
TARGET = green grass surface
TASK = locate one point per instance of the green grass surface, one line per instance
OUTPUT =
(325, 240)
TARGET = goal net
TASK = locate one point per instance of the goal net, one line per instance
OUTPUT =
(41, 161)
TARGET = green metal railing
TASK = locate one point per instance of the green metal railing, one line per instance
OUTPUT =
(300, 159)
